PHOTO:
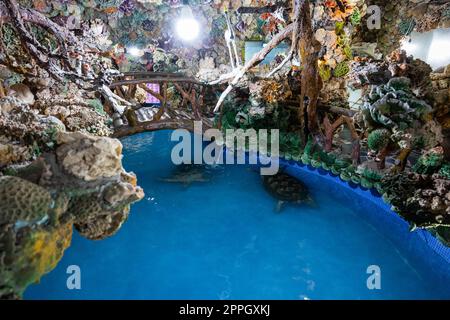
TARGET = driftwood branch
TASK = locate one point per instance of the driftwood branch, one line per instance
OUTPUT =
(37, 18)
(44, 58)
(258, 10)
(337, 110)
(154, 126)
(356, 141)
(281, 65)
(2, 91)
(156, 80)
(311, 82)
(402, 160)
(162, 109)
(257, 58)
(294, 45)
(58, 65)
(119, 104)
(330, 129)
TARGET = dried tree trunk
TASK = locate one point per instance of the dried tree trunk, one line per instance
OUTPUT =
(382, 155)
(402, 159)
(356, 141)
(2, 91)
(311, 83)
(356, 152)
(330, 129)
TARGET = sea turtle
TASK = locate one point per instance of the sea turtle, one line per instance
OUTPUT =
(286, 189)
(187, 174)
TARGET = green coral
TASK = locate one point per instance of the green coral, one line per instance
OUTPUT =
(445, 170)
(406, 26)
(356, 17)
(366, 183)
(339, 28)
(345, 176)
(339, 167)
(348, 52)
(290, 145)
(371, 175)
(97, 105)
(378, 139)
(429, 163)
(369, 178)
(356, 179)
(394, 105)
(316, 161)
(342, 69)
(325, 72)
(308, 151)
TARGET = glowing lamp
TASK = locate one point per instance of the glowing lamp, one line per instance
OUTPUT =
(135, 52)
(186, 26)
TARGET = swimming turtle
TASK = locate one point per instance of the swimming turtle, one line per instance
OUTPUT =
(287, 189)
(187, 174)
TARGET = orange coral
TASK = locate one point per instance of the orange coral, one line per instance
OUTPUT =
(40, 254)
(110, 10)
(40, 5)
(339, 11)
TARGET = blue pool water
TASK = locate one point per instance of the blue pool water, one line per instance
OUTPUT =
(221, 239)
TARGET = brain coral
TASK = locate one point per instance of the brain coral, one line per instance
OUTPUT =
(23, 201)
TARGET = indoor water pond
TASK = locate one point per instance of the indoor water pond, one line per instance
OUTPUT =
(205, 232)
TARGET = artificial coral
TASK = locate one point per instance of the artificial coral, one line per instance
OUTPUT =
(73, 78)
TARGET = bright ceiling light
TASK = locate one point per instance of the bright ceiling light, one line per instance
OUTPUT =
(186, 26)
(135, 52)
(439, 52)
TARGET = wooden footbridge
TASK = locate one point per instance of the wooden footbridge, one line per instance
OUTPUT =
(138, 118)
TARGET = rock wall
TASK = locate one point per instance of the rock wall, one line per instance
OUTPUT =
(81, 184)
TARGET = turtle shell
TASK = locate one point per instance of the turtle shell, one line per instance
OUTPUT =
(286, 188)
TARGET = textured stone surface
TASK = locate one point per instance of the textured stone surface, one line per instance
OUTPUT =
(83, 185)
(21, 200)
(89, 158)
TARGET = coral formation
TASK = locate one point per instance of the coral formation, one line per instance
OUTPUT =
(73, 74)
(53, 193)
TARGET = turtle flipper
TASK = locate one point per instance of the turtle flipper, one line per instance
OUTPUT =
(279, 206)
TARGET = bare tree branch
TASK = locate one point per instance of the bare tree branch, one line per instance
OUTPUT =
(257, 58)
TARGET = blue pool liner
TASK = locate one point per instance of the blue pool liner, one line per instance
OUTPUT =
(421, 245)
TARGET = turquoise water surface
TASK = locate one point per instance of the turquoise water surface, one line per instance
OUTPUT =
(219, 238)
